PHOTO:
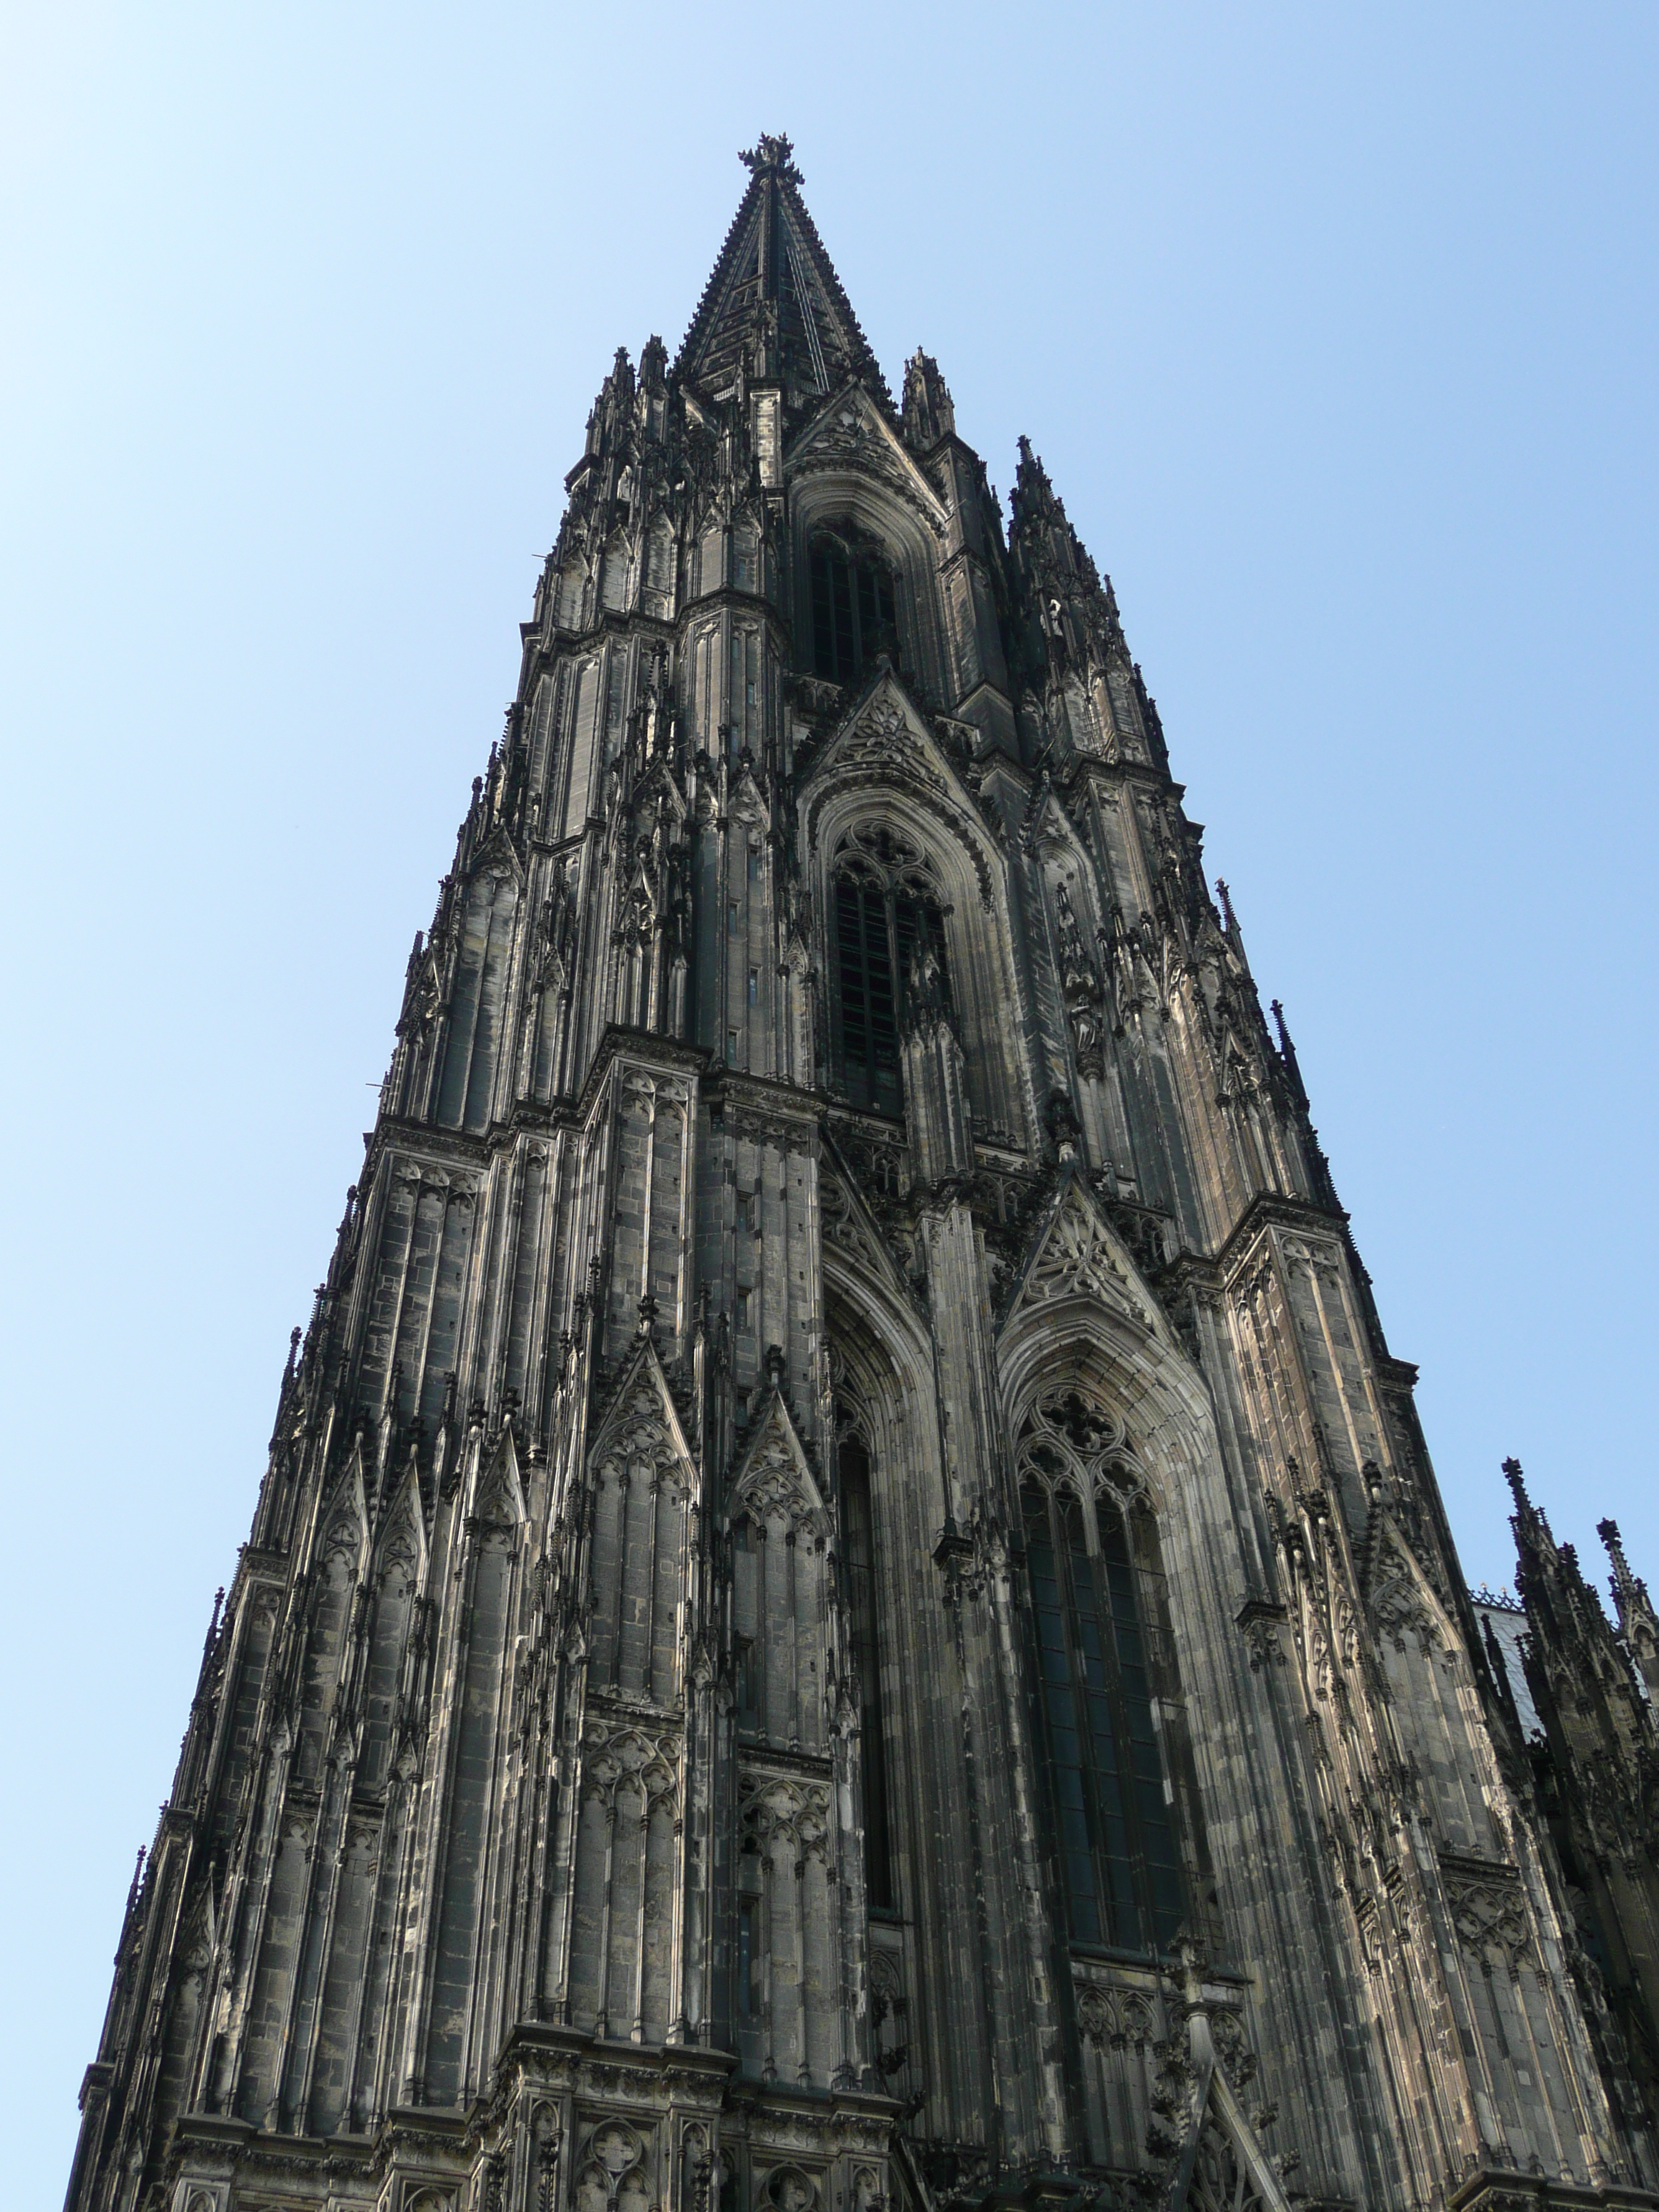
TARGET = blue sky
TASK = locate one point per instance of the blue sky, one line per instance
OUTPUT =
(1335, 327)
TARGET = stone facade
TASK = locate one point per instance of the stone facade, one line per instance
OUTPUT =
(849, 1607)
(1580, 1691)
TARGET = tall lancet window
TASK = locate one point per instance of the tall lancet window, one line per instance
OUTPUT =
(1092, 1552)
(858, 1525)
(854, 616)
(889, 924)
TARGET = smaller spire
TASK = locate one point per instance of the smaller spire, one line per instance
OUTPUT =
(613, 409)
(1609, 1532)
(1638, 1625)
(1287, 1053)
(929, 413)
(1034, 497)
(1630, 1592)
(1536, 1551)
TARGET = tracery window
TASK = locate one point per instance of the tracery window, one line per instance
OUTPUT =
(1092, 1554)
(889, 946)
(854, 616)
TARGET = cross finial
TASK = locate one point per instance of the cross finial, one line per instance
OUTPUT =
(771, 155)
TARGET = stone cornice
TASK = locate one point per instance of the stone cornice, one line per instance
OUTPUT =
(1272, 1209)
(1496, 2188)
(731, 1095)
(1091, 768)
(644, 1045)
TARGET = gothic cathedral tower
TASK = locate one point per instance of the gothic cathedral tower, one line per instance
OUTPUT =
(848, 1608)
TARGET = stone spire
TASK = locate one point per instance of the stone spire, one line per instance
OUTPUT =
(1638, 1623)
(1082, 681)
(1598, 1770)
(773, 310)
(929, 414)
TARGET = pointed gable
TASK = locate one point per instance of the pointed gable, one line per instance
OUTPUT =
(1048, 829)
(641, 1422)
(774, 292)
(497, 854)
(886, 739)
(774, 1480)
(852, 433)
(342, 1524)
(1078, 1254)
(401, 1539)
(499, 1495)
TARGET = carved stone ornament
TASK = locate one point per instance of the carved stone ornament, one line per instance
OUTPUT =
(1221, 2181)
(629, 1760)
(612, 2176)
(1119, 2019)
(1489, 1910)
(1079, 1258)
(773, 1809)
(1260, 1624)
(788, 2190)
(1238, 2060)
(884, 739)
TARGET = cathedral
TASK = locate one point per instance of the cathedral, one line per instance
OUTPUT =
(847, 1610)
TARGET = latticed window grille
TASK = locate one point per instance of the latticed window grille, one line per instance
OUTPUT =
(1091, 1551)
(889, 914)
(853, 614)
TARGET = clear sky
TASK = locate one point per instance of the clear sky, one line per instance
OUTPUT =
(1336, 326)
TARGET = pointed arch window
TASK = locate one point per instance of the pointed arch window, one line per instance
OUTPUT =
(854, 610)
(889, 924)
(1091, 1551)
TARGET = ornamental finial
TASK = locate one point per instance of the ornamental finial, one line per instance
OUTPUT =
(771, 156)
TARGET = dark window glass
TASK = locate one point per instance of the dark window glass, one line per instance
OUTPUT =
(869, 1027)
(748, 1959)
(853, 614)
(1116, 1845)
(874, 588)
(858, 1528)
(880, 940)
